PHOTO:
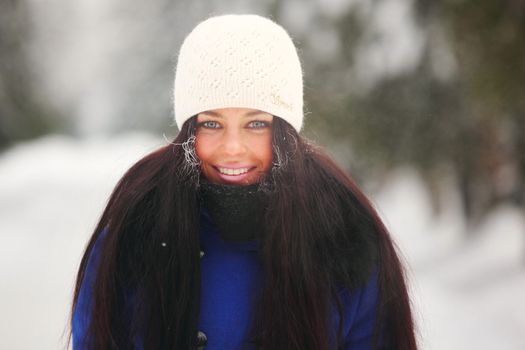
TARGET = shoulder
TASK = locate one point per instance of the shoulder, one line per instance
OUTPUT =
(94, 254)
(360, 307)
(84, 304)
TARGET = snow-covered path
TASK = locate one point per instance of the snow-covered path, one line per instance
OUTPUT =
(468, 294)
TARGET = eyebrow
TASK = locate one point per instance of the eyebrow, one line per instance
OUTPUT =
(249, 114)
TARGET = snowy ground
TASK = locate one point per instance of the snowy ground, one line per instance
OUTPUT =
(467, 294)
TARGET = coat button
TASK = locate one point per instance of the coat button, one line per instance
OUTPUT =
(202, 341)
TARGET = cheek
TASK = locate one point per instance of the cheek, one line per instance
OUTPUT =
(203, 148)
(264, 152)
(204, 151)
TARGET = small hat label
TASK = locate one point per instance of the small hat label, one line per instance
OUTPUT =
(278, 101)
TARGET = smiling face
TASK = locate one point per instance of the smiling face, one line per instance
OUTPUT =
(234, 145)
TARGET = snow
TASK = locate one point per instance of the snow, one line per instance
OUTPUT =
(52, 191)
(466, 292)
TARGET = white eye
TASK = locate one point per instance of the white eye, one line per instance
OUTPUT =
(257, 124)
(210, 124)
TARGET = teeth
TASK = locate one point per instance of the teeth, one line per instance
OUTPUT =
(229, 171)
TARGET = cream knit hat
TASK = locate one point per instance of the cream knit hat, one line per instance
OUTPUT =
(239, 61)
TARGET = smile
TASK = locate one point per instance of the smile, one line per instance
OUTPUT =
(233, 172)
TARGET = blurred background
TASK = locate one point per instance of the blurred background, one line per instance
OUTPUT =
(423, 102)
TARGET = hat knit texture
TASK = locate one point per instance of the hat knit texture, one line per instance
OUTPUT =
(245, 61)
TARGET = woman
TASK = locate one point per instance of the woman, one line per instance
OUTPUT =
(240, 233)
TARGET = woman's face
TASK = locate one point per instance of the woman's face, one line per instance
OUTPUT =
(234, 145)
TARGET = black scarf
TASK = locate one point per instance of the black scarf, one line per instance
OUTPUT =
(237, 211)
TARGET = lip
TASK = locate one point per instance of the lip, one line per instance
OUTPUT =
(233, 166)
(234, 179)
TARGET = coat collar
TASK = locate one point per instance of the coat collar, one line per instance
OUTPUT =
(211, 239)
(237, 212)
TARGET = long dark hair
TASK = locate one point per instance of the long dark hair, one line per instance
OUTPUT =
(321, 234)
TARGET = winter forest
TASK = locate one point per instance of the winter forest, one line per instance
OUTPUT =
(423, 102)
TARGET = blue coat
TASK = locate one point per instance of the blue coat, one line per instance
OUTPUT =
(230, 277)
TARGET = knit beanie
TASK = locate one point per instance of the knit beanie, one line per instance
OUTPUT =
(245, 61)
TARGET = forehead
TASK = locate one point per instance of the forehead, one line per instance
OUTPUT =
(234, 112)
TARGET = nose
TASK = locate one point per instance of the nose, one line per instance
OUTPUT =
(233, 143)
